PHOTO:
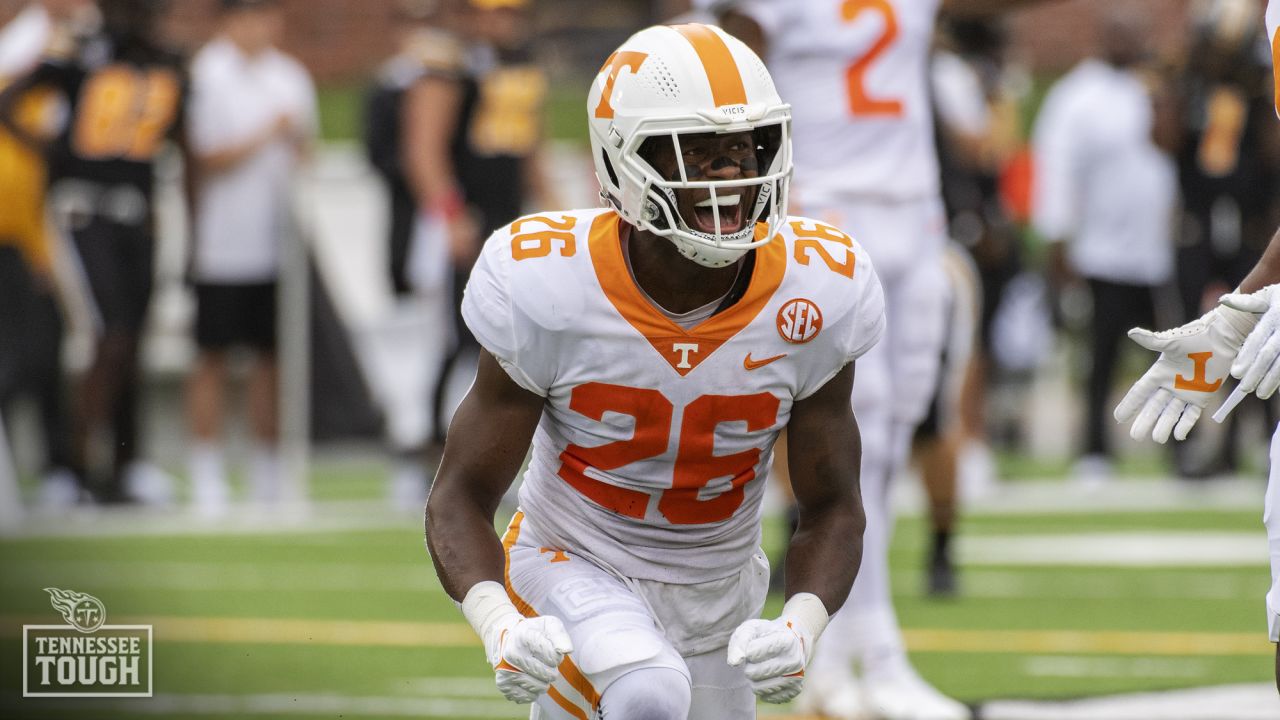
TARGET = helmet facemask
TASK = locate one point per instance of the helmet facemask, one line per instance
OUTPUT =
(680, 172)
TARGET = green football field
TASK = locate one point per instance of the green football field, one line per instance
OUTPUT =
(339, 614)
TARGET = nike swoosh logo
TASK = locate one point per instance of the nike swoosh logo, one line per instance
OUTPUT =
(750, 364)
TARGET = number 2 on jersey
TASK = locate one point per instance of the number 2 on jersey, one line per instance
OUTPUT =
(696, 462)
(860, 102)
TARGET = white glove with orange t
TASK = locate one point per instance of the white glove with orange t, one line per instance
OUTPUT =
(774, 653)
(1194, 361)
(525, 652)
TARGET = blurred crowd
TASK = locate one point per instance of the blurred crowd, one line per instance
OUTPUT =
(1137, 183)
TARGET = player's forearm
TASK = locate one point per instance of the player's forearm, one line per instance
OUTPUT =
(220, 161)
(1267, 271)
(825, 553)
(429, 122)
(463, 546)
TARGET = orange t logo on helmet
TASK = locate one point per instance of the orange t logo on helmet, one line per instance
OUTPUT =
(614, 65)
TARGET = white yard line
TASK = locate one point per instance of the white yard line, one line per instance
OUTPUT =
(1070, 583)
(214, 575)
(1119, 549)
(1069, 666)
(1228, 702)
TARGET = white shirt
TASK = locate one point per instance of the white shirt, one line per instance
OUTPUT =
(241, 212)
(1101, 182)
(23, 40)
(856, 77)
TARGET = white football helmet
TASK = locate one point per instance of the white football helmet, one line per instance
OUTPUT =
(668, 81)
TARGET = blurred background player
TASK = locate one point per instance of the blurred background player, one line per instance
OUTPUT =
(1106, 195)
(124, 94)
(1228, 158)
(251, 121)
(471, 143)
(1240, 337)
(30, 315)
(976, 132)
(856, 75)
(423, 47)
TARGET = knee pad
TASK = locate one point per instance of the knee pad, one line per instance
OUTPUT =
(651, 693)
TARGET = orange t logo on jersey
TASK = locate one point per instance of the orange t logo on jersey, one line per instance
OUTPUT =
(1199, 382)
(556, 555)
(613, 66)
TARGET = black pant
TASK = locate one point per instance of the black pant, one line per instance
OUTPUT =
(1116, 309)
(118, 261)
(31, 353)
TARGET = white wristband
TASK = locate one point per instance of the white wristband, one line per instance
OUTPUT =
(806, 611)
(486, 607)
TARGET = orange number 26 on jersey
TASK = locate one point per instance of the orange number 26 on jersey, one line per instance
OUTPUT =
(860, 102)
(696, 462)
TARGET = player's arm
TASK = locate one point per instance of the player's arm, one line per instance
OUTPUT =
(430, 117)
(972, 8)
(825, 454)
(747, 29)
(487, 441)
(10, 98)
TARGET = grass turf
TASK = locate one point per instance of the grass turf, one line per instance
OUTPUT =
(384, 575)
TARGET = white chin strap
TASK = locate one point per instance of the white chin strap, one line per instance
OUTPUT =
(707, 255)
(699, 247)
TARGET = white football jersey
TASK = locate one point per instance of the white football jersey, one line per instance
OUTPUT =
(655, 443)
(856, 75)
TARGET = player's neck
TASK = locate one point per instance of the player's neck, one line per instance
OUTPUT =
(676, 283)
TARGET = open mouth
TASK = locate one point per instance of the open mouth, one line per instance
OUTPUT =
(732, 213)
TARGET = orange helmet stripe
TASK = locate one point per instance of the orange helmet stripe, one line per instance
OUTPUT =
(717, 60)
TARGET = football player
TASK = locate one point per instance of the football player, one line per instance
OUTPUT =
(1241, 338)
(124, 94)
(652, 351)
(856, 72)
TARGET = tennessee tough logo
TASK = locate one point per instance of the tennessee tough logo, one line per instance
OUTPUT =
(799, 321)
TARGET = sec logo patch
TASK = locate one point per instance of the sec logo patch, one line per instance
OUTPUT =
(799, 321)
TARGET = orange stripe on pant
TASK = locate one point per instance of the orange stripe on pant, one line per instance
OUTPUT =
(568, 670)
(717, 60)
(565, 703)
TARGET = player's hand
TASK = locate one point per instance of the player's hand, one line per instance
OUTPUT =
(773, 655)
(1194, 360)
(1256, 365)
(526, 654)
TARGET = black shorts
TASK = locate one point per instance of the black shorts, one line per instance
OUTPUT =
(236, 315)
(118, 262)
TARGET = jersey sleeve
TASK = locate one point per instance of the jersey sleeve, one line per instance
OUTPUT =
(856, 325)
(868, 315)
(491, 309)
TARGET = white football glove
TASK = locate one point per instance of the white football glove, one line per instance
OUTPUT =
(1194, 362)
(1256, 365)
(525, 652)
(774, 653)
